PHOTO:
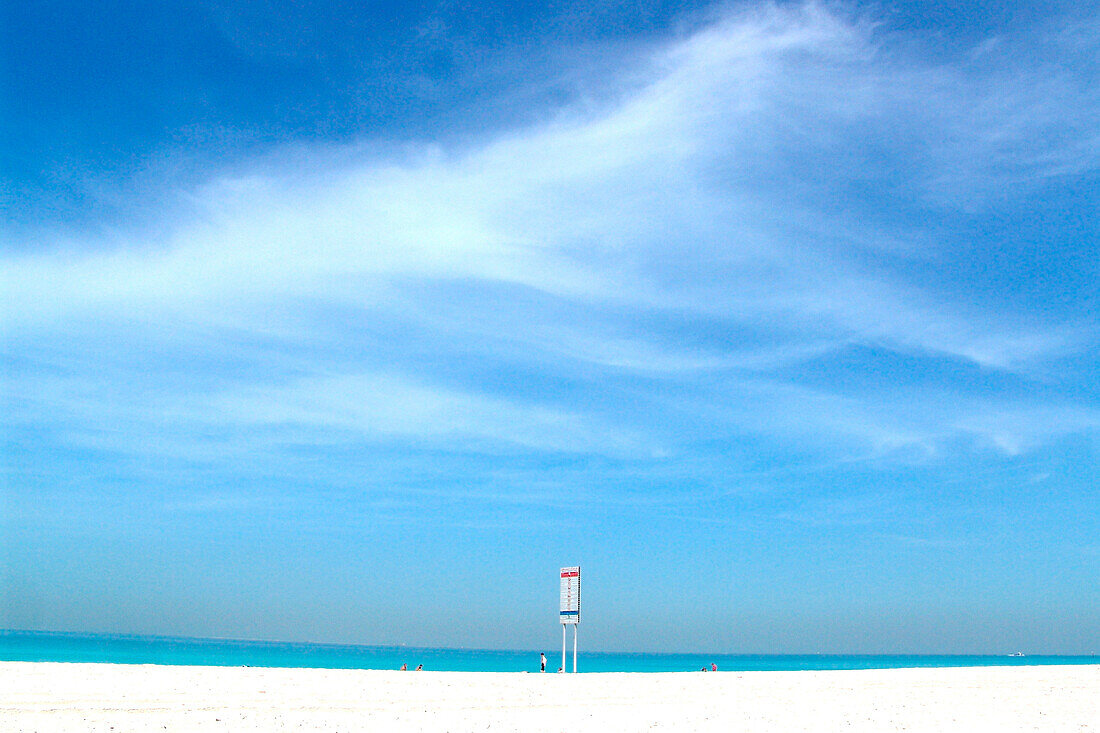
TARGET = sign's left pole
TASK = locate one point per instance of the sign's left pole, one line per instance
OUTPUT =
(563, 647)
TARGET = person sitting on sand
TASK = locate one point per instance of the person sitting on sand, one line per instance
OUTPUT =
(419, 667)
(560, 670)
(404, 668)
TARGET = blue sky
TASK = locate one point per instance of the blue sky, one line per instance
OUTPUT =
(353, 322)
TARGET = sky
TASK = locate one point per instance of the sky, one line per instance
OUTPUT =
(353, 322)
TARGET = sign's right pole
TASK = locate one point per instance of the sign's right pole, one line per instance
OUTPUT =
(575, 627)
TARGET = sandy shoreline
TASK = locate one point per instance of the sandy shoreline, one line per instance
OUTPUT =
(79, 697)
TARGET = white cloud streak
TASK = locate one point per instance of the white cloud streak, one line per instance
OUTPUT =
(705, 187)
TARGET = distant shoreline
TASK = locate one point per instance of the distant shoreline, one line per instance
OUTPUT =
(16, 646)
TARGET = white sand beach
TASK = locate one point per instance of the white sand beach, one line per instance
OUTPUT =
(105, 697)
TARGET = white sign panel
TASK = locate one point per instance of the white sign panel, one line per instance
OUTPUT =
(571, 595)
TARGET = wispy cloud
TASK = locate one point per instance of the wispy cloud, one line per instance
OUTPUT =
(382, 407)
(761, 192)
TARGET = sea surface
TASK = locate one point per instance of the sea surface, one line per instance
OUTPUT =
(37, 646)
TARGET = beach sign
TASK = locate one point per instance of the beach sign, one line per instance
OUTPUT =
(571, 595)
(570, 608)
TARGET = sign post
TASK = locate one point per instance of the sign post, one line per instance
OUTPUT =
(570, 608)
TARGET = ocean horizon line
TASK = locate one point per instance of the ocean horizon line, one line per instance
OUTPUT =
(36, 645)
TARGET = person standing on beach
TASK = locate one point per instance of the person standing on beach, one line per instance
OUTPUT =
(542, 662)
(713, 667)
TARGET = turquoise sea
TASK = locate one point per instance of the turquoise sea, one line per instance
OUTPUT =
(34, 646)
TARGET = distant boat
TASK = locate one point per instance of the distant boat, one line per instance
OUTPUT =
(1016, 654)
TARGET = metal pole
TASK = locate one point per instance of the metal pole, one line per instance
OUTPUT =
(563, 647)
(575, 627)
